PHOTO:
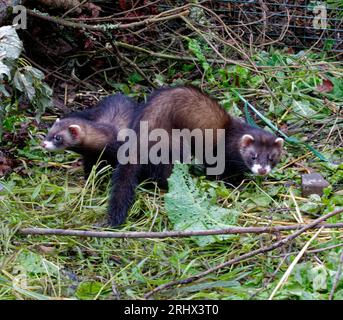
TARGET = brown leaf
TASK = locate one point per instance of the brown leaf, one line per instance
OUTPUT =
(46, 249)
(326, 86)
(6, 165)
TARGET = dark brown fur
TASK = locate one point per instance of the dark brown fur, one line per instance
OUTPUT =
(179, 108)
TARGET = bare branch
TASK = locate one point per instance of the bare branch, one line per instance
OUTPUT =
(170, 234)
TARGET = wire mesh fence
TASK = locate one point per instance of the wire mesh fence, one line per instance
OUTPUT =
(297, 24)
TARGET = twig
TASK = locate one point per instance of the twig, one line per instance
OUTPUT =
(161, 55)
(127, 60)
(326, 248)
(104, 27)
(169, 234)
(246, 256)
(338, 275)
(74, 8)
(310, 251)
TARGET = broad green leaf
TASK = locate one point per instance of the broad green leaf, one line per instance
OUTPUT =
(191, 209)
(31, 262)
(318, 275)
(303, 108)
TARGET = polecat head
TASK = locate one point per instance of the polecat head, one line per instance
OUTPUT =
(65, 133)
(260, 151)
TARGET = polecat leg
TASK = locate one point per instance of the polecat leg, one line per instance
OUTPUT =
(124, 183)
(88, 163)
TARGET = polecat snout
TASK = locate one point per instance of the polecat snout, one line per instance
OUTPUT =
(77, 133)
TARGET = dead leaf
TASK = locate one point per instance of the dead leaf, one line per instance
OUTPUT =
(46, 249)
(326, 86)
(5, 165)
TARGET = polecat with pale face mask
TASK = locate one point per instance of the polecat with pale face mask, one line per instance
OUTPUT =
(92, 132)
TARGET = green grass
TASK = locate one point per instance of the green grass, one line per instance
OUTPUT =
(64, 267)
(49, 191)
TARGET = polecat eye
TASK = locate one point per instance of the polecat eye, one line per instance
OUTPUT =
(254, 157)
(270, 158)
(57, 138)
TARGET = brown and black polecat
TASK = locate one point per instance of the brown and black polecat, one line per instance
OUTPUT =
(92, 132)
(246, 148)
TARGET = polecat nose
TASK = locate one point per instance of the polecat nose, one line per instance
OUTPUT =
(43, 144)
(262, 171)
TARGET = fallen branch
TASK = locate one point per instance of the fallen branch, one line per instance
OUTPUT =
(170, 234)
(246, 256)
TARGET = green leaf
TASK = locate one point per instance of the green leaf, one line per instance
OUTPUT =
(35, 73)
(248, 116)
(318, 275)
(303, 108)
(88, 290)
(31, 262)
(4, 91)
(189, 208)
(24, 84)
(135, 78)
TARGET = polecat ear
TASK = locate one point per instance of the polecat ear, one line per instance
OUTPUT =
(246, 140)
(75, 130)
(57, 120)
(279, 142)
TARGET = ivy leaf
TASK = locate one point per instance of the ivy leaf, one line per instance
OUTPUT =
(135, 78)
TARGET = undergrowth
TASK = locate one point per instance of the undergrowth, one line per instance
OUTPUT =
(301, 94)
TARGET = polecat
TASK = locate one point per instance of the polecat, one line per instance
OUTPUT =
(246, 148)
(92, 132)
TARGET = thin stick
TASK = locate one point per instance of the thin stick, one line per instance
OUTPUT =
(246, 256)
(169, 234)
(100, 27)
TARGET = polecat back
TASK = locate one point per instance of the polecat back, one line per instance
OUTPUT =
(246, 148)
